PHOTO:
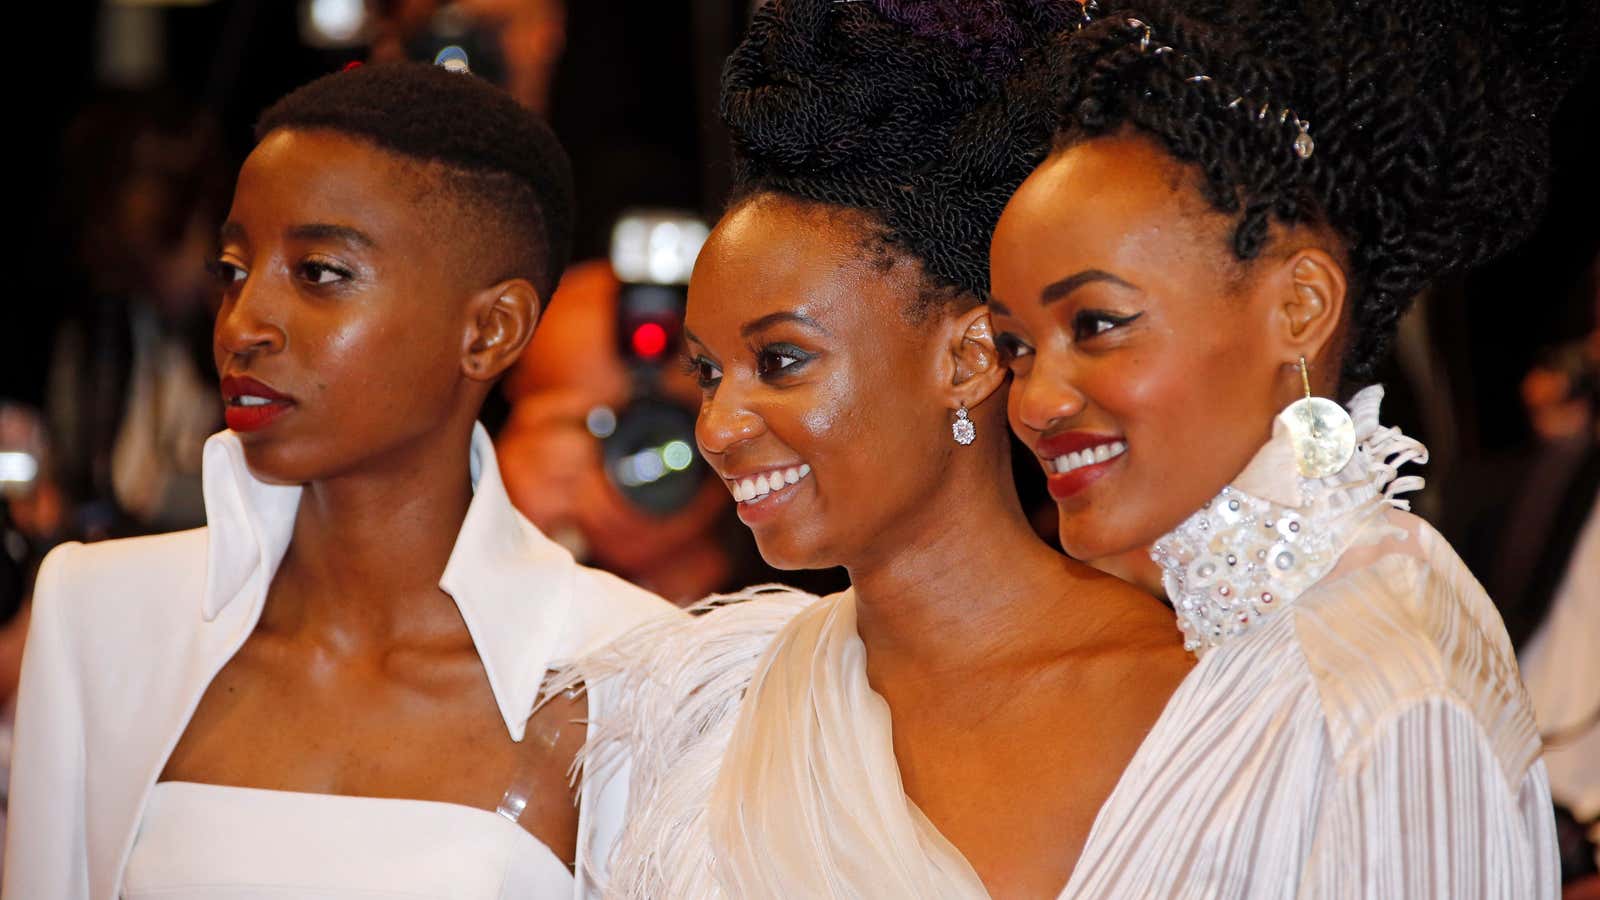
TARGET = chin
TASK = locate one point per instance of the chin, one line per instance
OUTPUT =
(290, 463)
(272, 465)
(1088, 541)
(791, 552)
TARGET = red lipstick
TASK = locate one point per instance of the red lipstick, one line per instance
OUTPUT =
(1085, 456)
(250, 405)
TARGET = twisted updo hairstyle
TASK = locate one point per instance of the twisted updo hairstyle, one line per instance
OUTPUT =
(896, 109)
(1429, 117)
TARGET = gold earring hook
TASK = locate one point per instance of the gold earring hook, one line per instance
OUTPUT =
(1305, 377)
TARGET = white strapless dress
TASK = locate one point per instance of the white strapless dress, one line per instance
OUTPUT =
(230, 843)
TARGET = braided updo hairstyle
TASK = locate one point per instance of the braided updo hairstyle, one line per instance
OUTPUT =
(1429, 117)
(896, 109)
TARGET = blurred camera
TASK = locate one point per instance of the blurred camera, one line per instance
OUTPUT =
(648, 446)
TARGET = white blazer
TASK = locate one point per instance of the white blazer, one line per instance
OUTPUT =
(126, 636)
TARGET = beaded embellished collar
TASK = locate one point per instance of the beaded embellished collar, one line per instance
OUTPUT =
(1272, 534)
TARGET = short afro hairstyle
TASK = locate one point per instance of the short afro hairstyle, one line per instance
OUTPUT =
(897, 109)
(493, 153)
(1430, 121)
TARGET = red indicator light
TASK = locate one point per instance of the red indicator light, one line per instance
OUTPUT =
(649, 340)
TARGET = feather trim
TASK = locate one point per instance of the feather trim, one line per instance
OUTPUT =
(672, 688)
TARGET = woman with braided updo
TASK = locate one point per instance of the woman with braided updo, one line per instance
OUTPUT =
(1241, 201)
(939, 729)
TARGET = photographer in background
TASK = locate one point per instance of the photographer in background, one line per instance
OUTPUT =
(571, 378)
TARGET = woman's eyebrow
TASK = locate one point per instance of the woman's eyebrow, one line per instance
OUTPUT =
(317, 231)
(1059, 289)
(771, 319)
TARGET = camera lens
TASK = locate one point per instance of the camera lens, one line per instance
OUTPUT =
(650, 457)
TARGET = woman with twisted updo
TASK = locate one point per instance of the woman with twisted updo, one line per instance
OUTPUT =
(938, 729)
(1241, 201)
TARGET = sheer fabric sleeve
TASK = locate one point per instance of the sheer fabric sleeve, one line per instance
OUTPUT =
(1423, 809)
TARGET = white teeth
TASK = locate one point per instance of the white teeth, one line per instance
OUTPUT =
(758, 486)
(1077, 460)
(247, 400)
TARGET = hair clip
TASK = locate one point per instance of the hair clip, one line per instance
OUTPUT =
(452, 59)
(1303, 145)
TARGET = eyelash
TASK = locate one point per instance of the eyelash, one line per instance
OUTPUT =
(1086, 324)
(702, 368)
(1011, 347)
(225, 273)
(795, 355)
(310, 267)
(698, 367)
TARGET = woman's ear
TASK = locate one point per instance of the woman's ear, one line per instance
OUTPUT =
(974, 363)
(1311, 292)
(499, 323)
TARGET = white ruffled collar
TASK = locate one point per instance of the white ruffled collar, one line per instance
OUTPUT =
(1272, 534)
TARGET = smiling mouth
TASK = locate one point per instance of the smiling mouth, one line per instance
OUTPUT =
(757, 487)
(1084, 458)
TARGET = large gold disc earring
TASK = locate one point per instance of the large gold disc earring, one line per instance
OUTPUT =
(1324, 437)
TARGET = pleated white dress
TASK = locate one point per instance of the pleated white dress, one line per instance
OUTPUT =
(1355, 727)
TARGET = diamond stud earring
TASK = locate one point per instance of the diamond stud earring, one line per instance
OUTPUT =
(962, 428)
(1324, 437)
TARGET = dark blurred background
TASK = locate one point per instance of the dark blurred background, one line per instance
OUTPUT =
(129, 120)
(132, 117)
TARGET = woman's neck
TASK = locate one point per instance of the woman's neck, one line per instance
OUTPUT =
(369, 547)
(1135, 567)
(969, 583)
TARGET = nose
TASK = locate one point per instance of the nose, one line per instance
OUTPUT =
(725, 421)
(247, 324)
(1047, 395)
